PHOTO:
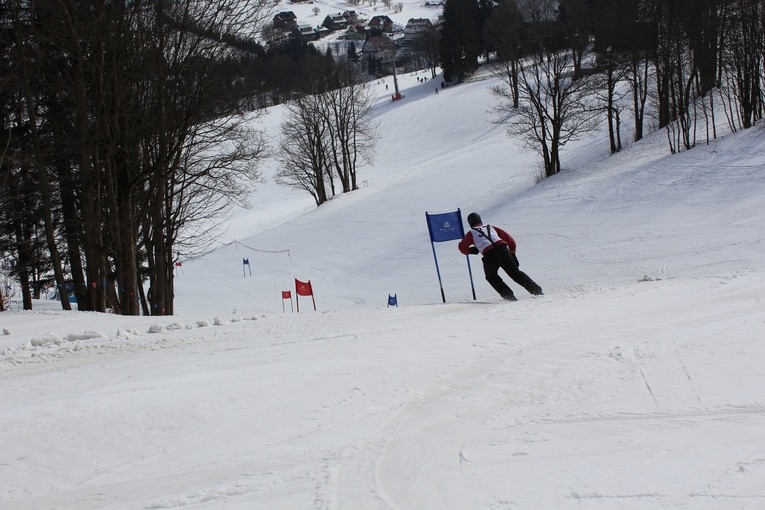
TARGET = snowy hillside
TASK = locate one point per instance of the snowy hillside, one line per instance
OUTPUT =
(635, 382)
(304, 11)
(313, 13)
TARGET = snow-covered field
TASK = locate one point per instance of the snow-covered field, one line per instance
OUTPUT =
(637, 381)
(365, 11)
(304, 11)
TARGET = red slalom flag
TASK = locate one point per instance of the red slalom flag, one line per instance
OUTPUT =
(304, 289)
(287, 295)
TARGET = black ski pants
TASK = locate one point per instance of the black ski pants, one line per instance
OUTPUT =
(500, 257)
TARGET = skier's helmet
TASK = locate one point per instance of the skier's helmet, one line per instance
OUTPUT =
(474, 219)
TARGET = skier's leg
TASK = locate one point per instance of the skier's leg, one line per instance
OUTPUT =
(510, 265)
(491, 266)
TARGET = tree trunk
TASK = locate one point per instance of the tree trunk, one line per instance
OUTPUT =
(72, 231)
(157, 298)
(127, 277)
(144, 302)
(25, 260)
(43, 182)
(610, 106)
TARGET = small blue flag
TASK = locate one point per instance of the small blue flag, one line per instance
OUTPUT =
(392, 300)
(445, 226)
(246, 262)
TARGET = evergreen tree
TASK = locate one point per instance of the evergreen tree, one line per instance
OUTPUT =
(352, 53)
(460, 42)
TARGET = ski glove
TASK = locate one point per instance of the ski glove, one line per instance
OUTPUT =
(474, 251)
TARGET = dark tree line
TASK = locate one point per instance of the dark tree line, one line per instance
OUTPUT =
(684, 59)
(460, 37)
(277, 74)
(696, 53)
(125, 136)
(121, 135)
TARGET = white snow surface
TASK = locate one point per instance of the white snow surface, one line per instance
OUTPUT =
(637, 381)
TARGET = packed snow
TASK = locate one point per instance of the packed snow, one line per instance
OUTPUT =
(636, 382)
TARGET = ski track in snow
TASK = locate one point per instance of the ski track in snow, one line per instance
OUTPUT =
(416, 467)
(485, 411)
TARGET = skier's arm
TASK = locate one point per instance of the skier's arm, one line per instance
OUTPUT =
(465, 243)
(507, 238)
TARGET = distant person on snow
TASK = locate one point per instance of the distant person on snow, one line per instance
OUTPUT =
(498, 250)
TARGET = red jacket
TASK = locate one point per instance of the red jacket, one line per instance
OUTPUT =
(504, 238)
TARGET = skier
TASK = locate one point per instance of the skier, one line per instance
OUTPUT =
(498, 250)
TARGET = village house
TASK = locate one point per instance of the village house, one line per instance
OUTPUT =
(305, 32)
(285, 20)
(379, 48)
(384, 23)
(351, 17)
(322, 31)
(416, 27)
(356, 33)
(335, 21)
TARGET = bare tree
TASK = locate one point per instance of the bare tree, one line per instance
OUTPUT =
(505, 33)
(346, 109)
(553, 107)
(425, 44)
(743, 56)
(26, 61)
(137, 138)
(614, 71)
(639, 66)
(328, 134)
(303, 149)
(576, 23)
(189, 39)
(676, 76)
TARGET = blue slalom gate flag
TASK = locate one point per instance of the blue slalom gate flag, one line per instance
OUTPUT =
(446, 227)
(392, 300)
(246, 262)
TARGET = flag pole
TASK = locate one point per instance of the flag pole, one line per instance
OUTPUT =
(313, 298)
(467, 257)
(433, 247)
(470, 272)
(438, 272)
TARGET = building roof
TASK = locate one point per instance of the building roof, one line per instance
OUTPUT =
(380, 20)
(378, 44)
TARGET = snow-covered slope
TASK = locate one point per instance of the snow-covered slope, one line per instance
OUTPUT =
(635, 382)
(607, 220)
